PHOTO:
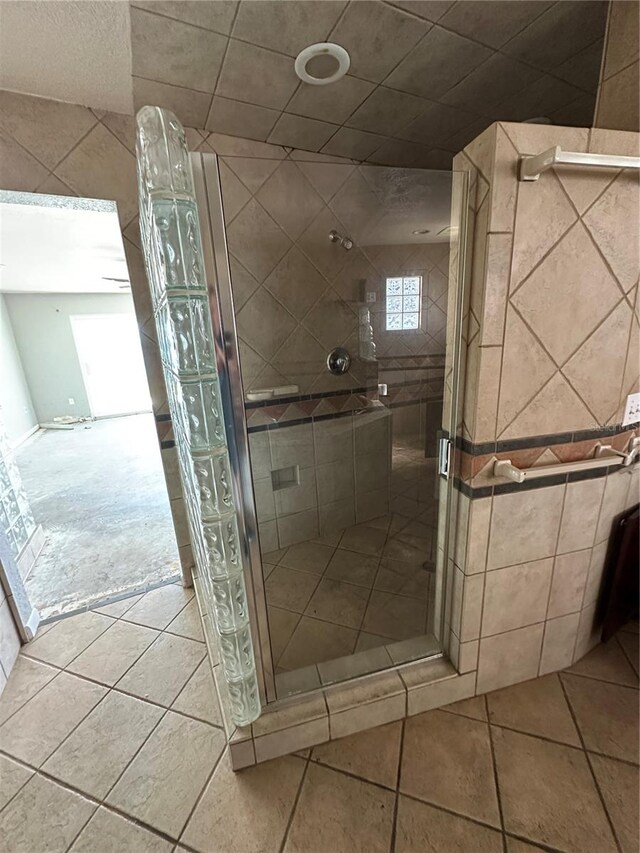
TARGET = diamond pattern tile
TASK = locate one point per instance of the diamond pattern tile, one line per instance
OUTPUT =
(543, 216)
(587, 294)
(603, 354)
(290, 199)
(256, 240)
(264, 324)
(615, 213)
(517, 384)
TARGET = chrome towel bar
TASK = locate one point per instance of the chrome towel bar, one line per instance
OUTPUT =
(531, 167)
(605, 456)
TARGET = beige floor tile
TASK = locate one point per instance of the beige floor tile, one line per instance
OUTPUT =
(475, 708)
(160, 606)
(339, 813)
(43, 816)
(307, 557)
(365, 539)
(118, 608)
(337, 602)
(536, 707)
(282, 624)
(314, 641)
(39, 727)
(352, 567)
(92, 758)
(68, 637)
(619, 783)
(402, 578)
(373, 755)
(108, 658)
(290, 589)
(395, 616)
(607, 716)
(163, 670)
(107, 832)
(631, 646)
(27, 678)
(514, 845)
(12, 777)
(370, 641)
(198, 697)
(248, 811)
(446, 760)
(188, 623)
(424, 829)
(163, 782)
(607, 662)
(548, 795)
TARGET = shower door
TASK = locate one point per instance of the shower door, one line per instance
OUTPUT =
(308, 316)
(340, 314)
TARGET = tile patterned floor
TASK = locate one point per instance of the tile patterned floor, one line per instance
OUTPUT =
(362, 588)
(111, 742)
(368, 587)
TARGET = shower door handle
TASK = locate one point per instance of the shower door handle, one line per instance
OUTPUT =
(444, 457)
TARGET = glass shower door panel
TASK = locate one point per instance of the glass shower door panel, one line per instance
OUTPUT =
(340, 279)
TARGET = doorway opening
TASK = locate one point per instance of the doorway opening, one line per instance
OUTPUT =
(75, 410)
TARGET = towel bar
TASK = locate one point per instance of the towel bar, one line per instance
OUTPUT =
(605, 456)
(531, 167)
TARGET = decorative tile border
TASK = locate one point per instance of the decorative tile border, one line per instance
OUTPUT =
(474, 462)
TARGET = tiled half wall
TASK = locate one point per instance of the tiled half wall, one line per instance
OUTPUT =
(552, 331)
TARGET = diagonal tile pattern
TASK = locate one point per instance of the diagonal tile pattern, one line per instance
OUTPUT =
(424, 79)
(551, 763)
(560, 239)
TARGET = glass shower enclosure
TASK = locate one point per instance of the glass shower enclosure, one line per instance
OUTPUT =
(308, 313)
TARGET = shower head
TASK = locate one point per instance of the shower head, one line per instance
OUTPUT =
(345, 242)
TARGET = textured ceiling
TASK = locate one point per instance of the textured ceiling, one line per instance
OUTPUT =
(77, 51)
(425, 77)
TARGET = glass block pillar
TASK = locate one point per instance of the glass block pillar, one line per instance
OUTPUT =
(16, 519)
(172, 250)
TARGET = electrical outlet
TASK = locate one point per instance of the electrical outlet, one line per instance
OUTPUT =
(371, 296)
(72, 402)
(632, 410)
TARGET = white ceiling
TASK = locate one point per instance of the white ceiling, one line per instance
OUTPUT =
(54, 250)
(77, 51)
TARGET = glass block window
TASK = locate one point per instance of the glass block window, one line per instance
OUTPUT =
(404, 301)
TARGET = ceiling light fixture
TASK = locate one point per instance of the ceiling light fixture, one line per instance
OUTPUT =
(421, 231)
(322, 63)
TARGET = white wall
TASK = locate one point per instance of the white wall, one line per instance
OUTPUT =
(16, 407)
(42, 329)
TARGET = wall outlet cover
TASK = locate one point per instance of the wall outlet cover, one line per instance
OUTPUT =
(632, 410)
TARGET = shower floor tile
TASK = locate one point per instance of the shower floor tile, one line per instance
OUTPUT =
(453, 779)
(374, 588)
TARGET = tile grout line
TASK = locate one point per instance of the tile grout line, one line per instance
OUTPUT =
(89, 797)
(200, 796)
(589, 765)
(222, 61)
(394, 824)
(496, 780)
(295, 803)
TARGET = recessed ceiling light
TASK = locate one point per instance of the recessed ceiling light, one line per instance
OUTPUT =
(322, 63)
(421, 231)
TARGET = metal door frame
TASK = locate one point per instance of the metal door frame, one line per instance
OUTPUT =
(208, 192)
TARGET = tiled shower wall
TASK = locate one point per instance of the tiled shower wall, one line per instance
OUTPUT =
(619, 88)
(338, 469)
(553, 352)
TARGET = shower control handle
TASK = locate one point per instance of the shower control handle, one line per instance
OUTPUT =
(338, 361)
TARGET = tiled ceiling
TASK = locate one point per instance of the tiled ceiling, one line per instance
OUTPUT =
(425, 77)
